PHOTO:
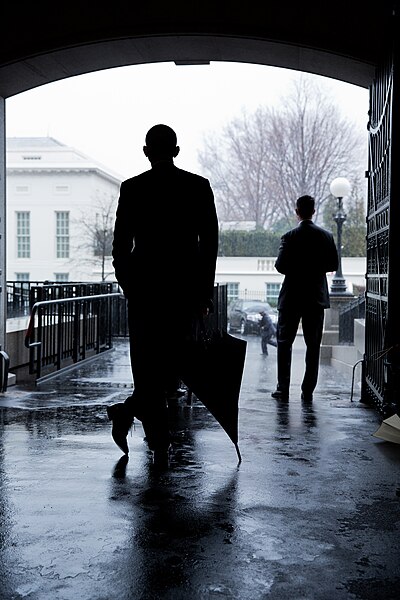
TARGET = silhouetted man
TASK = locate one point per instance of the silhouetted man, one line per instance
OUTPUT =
(164, 255)
(267, 332)
(306, 254)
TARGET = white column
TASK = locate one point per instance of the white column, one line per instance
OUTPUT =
(3, 276)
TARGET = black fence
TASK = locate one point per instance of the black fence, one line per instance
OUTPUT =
(58, 291)
(355, 309)
(120, 317)
(65, 331)
(218, 319)
(22, 295)
(72, 322)
(18, 298)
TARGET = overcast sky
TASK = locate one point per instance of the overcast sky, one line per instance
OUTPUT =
(106, 114)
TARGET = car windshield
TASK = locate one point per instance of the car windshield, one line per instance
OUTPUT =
(255, 308)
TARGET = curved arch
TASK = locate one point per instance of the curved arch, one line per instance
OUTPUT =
(182, 49)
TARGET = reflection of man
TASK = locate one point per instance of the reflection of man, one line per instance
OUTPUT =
(306, 254)
(164, 251)
(267, 332)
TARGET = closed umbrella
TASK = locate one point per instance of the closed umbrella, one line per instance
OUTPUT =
(212, 368)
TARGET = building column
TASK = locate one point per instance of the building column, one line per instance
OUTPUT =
(3, 276)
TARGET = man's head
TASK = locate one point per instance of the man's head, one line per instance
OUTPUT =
(305, 207)
(161, 143)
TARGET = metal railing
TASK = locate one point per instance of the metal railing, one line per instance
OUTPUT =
(120, 317)
(217, 319)
(57, 291)
(355, 309)
(4, 366)
(65, 331)
(22, 295)
(18, 298)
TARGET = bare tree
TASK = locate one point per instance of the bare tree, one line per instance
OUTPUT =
(260, 163)
(96, 227)
(311, 144)
(237, 164)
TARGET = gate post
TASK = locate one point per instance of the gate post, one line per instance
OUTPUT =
(3, 264)
(392, 337)
(381, 380)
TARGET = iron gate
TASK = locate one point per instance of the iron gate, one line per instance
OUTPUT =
(382, 358)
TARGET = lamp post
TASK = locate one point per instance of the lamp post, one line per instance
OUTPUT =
(339, 188)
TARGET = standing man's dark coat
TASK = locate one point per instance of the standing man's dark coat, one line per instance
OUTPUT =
(164, 255)
(306, 254)
(166, 238)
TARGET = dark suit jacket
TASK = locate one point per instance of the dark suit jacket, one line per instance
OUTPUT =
(306, 254)
(166, 237)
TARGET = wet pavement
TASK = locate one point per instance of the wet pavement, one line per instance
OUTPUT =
(313, 511)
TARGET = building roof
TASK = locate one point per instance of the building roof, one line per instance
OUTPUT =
(16, 143)
(38, 154)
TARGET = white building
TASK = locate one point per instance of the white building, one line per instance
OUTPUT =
(57, 199)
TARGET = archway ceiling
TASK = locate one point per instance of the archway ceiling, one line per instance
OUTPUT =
(47, 41)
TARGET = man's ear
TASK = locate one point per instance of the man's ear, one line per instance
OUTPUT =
(176, 151)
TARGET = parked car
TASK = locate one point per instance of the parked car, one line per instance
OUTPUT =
(244, 315)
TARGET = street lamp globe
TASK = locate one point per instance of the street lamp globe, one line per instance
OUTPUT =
(340, 187)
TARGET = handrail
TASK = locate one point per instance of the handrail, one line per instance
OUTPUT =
(21, 295)
(65, 331)
(4, 366)
(355, 309)
(37, 305)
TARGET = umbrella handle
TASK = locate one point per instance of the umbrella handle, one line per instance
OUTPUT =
(238, 453)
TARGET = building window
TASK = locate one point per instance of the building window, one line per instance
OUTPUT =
(23, 234)
(21, 276)
(60, 277)
(266, 264)
(62, 234)
(22, 189)
(232, 290)
(273, 290)
(61, 189)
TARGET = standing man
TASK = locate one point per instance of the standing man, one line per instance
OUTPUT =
(267, 332)
(164, 254)
(306, 254)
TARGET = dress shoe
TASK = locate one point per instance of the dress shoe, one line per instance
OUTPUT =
(280, 395)
(122, 420)
(306, 397)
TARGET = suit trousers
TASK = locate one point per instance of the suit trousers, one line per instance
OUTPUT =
(312, 318)
(154, 353)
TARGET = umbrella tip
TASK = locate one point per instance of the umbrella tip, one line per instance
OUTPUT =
(238, 454)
